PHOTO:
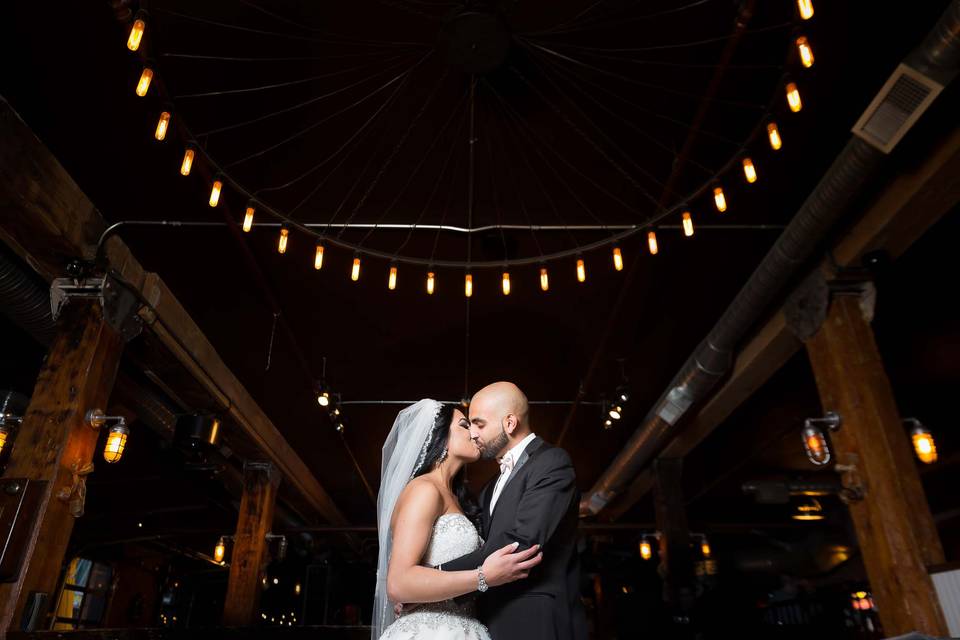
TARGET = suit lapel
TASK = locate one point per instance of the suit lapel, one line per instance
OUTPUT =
(530, 450)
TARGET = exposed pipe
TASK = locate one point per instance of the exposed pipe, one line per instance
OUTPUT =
(939, 55)
(24, 301)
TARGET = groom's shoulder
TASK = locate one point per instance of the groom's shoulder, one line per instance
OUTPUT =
(553, 455)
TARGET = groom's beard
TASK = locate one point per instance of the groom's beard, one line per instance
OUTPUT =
(496, 446)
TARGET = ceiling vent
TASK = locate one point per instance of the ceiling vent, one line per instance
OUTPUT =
(903, 99)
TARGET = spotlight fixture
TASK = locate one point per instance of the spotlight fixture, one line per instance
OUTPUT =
(623, 393)
(923, 443)
(815, 440)
(615, 411)
(323, 395)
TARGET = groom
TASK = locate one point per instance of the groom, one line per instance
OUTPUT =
(534, 500)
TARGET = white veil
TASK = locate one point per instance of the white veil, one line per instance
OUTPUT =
(403, 451)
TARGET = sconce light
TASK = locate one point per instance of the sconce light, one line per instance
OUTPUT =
(220, 550)
(645, 550)
(815, 440)
(923, 443)
(116, 437)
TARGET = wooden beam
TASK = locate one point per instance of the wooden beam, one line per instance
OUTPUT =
(250, 544)
(676, 557)
(55, 447)
(894, 526)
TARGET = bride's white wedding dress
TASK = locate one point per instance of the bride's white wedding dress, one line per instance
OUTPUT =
(453, 536)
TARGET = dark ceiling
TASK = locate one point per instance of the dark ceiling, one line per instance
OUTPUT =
(581, 123)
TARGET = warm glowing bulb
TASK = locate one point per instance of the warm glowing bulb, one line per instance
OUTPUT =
(773, 133)
(162, 124)
(248, 218)
(815, 443)
(806, 53)
(136, 34)
(468, 285)
(719, 199)
(215, 193)
(4, 434)
(705, 548)
(793, 97)
(318, 257)
(284, 237)
(652, 242)
(617, 259)
(645, 551)
(392, 279)
(687, 224)
(749, 171)
(116, 443)
(544, 279)
(296, 590)
(924, 445)
(506, 283)
(581, 270)
(219, 551)
(431, 282)
(805, 7)
(323, 398)
(144, 85)
(355, 271)
(187, 163)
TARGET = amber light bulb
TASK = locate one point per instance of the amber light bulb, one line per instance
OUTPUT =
(248, 218)
(116, 443)
(215, 192)
(144, 84)
(544, 279)
(805, 7)
(581, 270)
(749, 171)
(719, 199)
(220, 550)
(645, 551)
(687, 224)
(805, 51)
(284, 238)
(162, 125)
(318, 257)
(355, 270)
(506, 283)
(136, 34)
(773, 134)
(793, 97)
(431, 282)
(652, 243)
(187, 164)
(468, 285)
(617, 259)
(392, 278)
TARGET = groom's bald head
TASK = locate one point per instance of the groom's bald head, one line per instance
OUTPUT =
(499, 417)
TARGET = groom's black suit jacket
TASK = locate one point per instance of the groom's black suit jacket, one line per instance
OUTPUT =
(538, 505)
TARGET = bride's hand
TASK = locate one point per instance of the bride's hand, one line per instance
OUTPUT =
(503, 566)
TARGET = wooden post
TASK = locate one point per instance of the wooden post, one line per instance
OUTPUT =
(676, 558)
(249, 555)
(53, 449)
(895, 529)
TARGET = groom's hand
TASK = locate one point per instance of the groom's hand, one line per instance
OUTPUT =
(507, 564)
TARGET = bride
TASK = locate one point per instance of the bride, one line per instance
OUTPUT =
(425, 517)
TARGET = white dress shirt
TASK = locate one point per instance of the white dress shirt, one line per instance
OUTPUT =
(506, 469)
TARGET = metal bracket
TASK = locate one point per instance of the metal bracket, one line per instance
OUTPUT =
(119, 304)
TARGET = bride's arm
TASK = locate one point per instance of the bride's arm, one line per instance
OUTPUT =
(414, 515)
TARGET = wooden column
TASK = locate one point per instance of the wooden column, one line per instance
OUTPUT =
(53, 449)
(676, 558)
(895, 529)
(249, 555)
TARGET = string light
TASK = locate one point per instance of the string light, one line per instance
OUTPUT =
(719, 199)
(318, 257)
(116, 442)
(749, 171)
(220, 550)
(687, 224)
(284, 237)
(215, 192)
(645, 551)
(652, 242)
(187, 163)
(392, 278)
(355, 270)
(248, 218)
(581, 270)
(705, 547)
(806, 53)
(431, 282)
(773, 134)
(805, 7)
(136, 34)
(544, 279)
(793, 97)
(617, 259)
(506, 283)
(144, 84)
(468, 285)
(923, 443)
(162, 124)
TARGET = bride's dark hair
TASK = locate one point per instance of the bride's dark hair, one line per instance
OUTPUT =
(436, 443)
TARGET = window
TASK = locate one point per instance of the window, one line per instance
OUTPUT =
(83, 598)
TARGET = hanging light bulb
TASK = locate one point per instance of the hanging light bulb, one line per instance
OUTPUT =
(355, 270)
(652, 242)
(646, 552)
(687, 224)
(749, 171)
(923, 443)
(581, 270)
(544, 279)
(805, 7)
(144, 84)
(719, 199)
(773, 134)
(431, 282)
(815, 444)
(220, 550)
(806, 53)
(215, 192)
(468, 285)
(248, 218)
(284, 238)
(136, 34)
(506, 283)
(318, 256)
(392, 278)
(116, 442)
(187, 163)
(793, 97)
(705, 547)
(162, 125)
(617, 259)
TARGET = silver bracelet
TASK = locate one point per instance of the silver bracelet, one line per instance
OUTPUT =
(481, 580)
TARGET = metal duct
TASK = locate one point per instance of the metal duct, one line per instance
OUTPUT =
(24, 301)
(939, 56)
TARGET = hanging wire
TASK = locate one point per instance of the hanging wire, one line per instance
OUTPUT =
(273, 332)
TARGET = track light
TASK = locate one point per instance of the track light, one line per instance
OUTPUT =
(806, 53)
(544, 279)
(608, 424)
(805, 7)
(215, 192)
(136, 33)
(323, 395)
(248, 218)
(615, 412)
(793, 97)
(506, 283)
(143, 85)
(749, 171)
(652, 242)
(187, 164)
(468, 285)
(923, 443)
(623, 393)
(318, 256)
(773, 134)
(163, 123)
(719, 199)
(617, 259)
(687, 224)
(284, 238)
(431, 282)
(581, 270)
(392, 278)
(355, 270)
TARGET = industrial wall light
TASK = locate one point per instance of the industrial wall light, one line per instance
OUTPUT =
(923, 443)
(815, 440)
(116, 437)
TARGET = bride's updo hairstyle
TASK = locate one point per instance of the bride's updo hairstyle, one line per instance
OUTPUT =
(434, 448)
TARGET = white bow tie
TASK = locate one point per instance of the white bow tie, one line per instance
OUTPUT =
(506, 464)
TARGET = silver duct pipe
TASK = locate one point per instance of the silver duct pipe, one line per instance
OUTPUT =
(24, 301)
(938, 56)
